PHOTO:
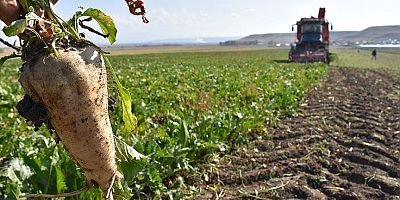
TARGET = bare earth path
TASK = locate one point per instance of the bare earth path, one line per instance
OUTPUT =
(345, 144)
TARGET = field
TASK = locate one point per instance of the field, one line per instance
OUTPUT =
(344, 143)
(229, 124)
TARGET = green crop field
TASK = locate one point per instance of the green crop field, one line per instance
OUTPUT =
(387, 60)
(192, 108)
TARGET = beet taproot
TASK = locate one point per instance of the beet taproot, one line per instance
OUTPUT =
(73, 89)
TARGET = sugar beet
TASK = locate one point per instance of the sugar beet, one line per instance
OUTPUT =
(73, 89)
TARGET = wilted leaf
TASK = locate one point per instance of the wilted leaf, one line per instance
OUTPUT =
(126, 152)
(129, 119)
(32, 16)
(132, 152)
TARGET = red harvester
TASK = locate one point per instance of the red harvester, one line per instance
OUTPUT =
(312, 43)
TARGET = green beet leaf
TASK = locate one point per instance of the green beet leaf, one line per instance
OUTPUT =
(106, 23)
(60, 179)
(5, 58)
(15, 27)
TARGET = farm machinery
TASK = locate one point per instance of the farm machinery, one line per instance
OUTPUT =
(312, 40)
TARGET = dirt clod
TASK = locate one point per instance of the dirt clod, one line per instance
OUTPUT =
(33, 112)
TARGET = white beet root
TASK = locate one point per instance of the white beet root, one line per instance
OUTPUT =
(73, 89)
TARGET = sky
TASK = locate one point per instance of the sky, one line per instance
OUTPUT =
(170, 19)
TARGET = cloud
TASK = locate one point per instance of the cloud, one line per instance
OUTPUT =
(178, 17)
(235, 15)
(251, 10)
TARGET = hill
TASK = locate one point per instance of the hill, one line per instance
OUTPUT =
(375, 34)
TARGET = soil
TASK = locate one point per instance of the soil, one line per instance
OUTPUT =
(344, 144)
(34, 113)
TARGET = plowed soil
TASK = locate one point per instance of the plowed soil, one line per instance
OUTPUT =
(344, 144)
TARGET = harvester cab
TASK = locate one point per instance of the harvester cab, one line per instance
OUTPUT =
(312, 40)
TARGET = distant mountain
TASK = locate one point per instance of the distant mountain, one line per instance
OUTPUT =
(270, 38)
(197, 40)
(282, 38)
(375, 34)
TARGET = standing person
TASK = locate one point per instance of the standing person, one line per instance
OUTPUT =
(374, 54)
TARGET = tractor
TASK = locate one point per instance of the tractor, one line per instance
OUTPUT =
(312, 40)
